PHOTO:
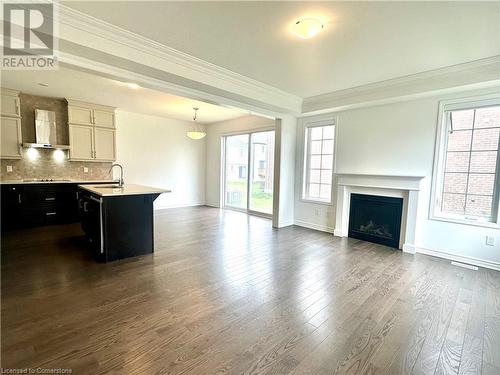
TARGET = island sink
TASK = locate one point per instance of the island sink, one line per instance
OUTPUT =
(118, 221)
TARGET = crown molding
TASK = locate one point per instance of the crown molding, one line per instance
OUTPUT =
(120, 74)
(475, 74)
(82, 29)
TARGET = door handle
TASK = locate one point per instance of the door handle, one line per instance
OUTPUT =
(50, 213)
(85, 206)
(19, 200)
(50, 199)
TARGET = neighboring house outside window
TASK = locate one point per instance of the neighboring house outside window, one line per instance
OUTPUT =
(466, 172)
(318, 163)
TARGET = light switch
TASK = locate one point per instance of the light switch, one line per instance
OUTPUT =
(9, 168)
(490, 241)
(85, 170)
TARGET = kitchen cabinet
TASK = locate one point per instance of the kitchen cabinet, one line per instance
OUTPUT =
(10, 138)
(91, 222)
(11, 207)
(37, 204)
(81, 140)
(105, 119)
(92, 132)
(80, 115)
(118, 222)
(10, 103)
(104, 144)
(10, 125)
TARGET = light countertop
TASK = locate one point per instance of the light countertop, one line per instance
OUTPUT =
(62, 181)
(127, 189)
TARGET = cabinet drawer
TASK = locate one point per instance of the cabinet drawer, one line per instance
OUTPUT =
(40, 196)
(50, 214)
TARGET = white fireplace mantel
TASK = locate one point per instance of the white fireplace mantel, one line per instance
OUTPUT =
(406, 187)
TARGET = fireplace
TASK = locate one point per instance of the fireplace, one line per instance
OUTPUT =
(376, 219)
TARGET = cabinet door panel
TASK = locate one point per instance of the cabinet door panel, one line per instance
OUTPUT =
(80, 142)
(79, 115)
(10, 105)
(10, 137)
(104, 119)
(104, 144)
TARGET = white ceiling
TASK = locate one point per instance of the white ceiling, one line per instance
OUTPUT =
(74, 84)
(364, 42)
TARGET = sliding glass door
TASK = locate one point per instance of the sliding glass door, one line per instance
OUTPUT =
(249, 172)
(236, 171)
(262, 172)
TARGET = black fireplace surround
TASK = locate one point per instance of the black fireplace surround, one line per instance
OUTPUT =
(376, 219)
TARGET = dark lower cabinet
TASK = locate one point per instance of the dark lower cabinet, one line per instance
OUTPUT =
(11, 206)
(29, 205)
(117, 227)
(90, 217)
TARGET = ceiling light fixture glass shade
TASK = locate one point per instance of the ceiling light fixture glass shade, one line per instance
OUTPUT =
(196, 133)
(306, 28)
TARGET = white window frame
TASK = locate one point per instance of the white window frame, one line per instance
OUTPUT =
(304, 196)
(440, 157)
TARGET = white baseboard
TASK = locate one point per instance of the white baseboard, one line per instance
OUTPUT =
(338, 233)
(285, 224)
(460, 258)
(211, 204)
(306, 224)
(166, 207)
(408, 248)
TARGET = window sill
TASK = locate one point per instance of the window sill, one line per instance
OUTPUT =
(483, 224)
(323, 203)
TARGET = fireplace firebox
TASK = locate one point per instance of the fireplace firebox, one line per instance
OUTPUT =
(376, 219)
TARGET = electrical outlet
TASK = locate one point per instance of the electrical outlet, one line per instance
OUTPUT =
(85, 170)
(9, 168)
(490, 241)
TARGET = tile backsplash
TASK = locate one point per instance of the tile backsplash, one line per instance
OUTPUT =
(45, 165)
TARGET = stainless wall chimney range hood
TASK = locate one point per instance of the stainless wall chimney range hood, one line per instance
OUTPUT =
(45, 130)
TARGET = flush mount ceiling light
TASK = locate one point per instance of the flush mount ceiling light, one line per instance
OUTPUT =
(196, 133)
(307, 27)
(132, 85)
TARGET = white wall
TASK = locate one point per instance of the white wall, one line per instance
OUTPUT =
(215, 132)
(155, 151)
(399, 139)
(284, 172)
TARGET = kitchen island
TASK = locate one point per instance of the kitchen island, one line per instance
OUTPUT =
(118, 220)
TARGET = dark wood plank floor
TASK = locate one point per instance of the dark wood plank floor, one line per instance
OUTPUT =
(225, 293)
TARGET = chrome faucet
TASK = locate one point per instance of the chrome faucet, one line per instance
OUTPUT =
(120, 182)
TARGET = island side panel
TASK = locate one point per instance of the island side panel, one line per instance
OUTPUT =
(128, 226)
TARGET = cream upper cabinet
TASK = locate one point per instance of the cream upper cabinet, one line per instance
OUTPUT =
(92, 131)
(10, 126)
(10, 137)
(10, 103)
(81, 139)
(83, 113)
(105, 119)
(104, 141)
(80, 115)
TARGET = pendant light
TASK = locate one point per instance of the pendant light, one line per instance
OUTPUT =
(196, 133)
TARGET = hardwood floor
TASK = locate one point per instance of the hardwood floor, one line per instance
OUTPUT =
(225, 293)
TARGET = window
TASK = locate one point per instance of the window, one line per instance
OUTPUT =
(466, 182)
(318, 158)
